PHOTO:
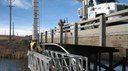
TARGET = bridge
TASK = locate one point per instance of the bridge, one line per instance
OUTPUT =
(77, 47)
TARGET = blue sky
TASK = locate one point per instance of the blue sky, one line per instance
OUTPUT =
(50, 13)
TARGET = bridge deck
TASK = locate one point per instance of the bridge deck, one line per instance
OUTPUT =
(82, 49)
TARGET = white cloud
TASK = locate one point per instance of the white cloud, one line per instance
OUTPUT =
(76, 2)
(4, 30)
(22, 32)
(21, 4)
(19, 32)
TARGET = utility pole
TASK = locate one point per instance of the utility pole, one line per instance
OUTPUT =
(10, 7)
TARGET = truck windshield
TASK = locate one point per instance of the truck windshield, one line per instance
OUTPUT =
(104, 1)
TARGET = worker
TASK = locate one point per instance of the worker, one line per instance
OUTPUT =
(33, 45)
(39, 48)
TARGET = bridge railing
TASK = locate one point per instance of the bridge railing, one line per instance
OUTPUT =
(73, 31)
(120, 16)
(56, 61)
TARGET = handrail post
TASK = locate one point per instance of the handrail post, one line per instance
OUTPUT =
(102, 27)
(52, 36)
(75, 33)
(46, 36)
(102, 36)
(61, 23)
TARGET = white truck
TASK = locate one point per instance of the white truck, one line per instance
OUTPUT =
(94, 8)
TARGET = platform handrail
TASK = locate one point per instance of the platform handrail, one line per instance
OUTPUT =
(54, 60)
(75, 61)
(44, 44)
(38, 62)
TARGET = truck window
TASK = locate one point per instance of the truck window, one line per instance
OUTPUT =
(105, 1)
(91, 3)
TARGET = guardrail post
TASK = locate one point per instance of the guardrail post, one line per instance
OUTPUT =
(77, 64)
(46, 36)
(52, 35)
(102, 27)
(61, 23)
(76, 33)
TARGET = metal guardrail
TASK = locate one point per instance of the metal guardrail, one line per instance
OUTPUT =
(38, 62)
(56, 61)
(67, 62)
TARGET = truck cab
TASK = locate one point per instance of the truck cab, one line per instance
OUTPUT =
(94, 8)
